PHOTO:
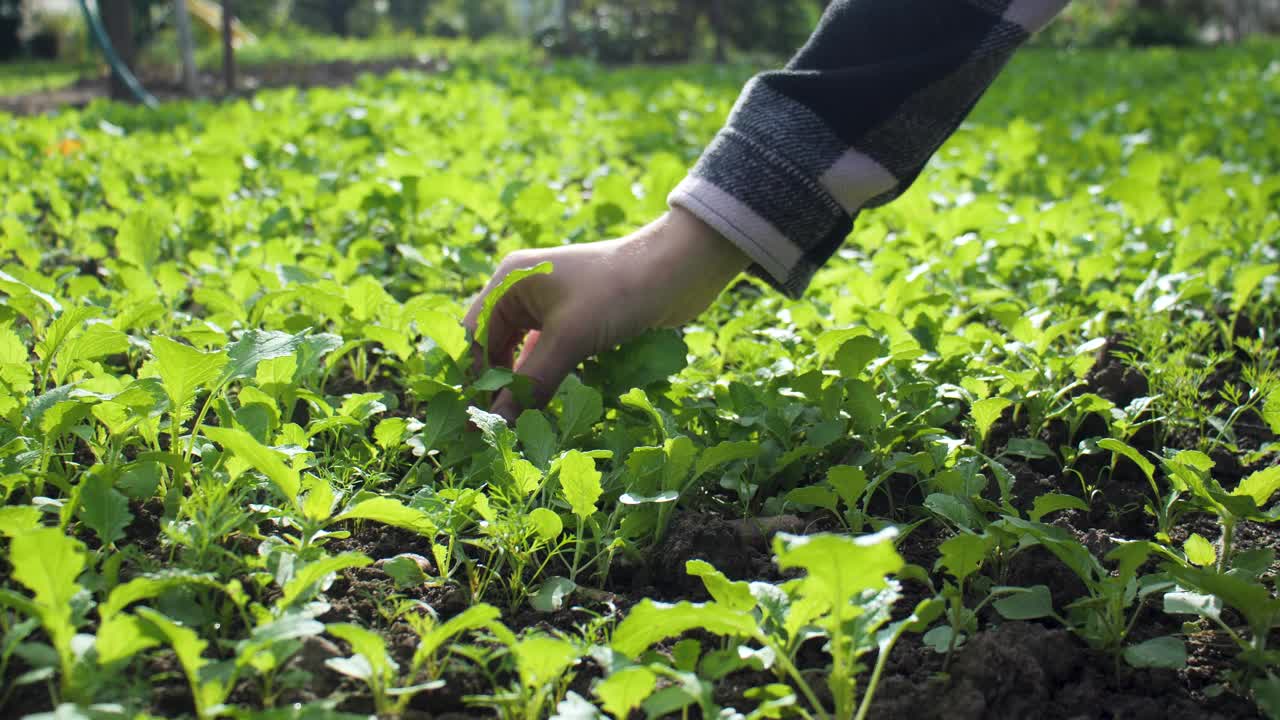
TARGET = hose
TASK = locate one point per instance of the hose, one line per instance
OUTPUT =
(118, 66)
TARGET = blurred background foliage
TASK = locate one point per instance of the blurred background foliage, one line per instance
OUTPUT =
(617, 31)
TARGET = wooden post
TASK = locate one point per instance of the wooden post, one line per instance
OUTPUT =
(228, 48)
(117, 17)
(182, 19)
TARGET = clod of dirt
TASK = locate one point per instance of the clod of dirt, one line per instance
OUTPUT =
(1012, 671)
(698, 536)
(758, 532)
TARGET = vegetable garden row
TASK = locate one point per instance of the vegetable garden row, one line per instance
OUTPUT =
(1015, 453)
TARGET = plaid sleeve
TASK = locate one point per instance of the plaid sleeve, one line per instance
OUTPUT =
(849, 123)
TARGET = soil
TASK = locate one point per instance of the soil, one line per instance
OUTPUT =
(250, 79)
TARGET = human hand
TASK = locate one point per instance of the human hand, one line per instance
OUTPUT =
(599, 295)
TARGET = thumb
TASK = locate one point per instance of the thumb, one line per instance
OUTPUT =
(547, 358)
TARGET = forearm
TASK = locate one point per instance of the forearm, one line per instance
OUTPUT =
(849, 123)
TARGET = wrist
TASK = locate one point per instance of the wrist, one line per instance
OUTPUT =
(702, 248)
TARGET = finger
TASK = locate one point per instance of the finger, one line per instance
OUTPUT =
(508, 322)
(546, 360)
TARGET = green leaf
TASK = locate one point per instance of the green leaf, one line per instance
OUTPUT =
(552, 594)
(582, 407)
(814, 495)
(122, 637)
(1266, 692)
(149, 586)
(480, 615)
(649, 622)
(541, 660)
(103, 509)
(367, 645)
(724, 453)
(1271, 410)
(1121, 448)
(1029, 603)
(185, 370)
(389, 511)
(733, 595)
(138, 238)
(1166, 652)
(1053, 502)
(1247, 280)
(390, 432)
(17, 519)
(839, 567)
(849, 483)
(315, 573)
(580, 483)
(47, 563)
(546, 524)
(1199, 551)
(986, 413)
(537, 438)
(1260, 486)
(645, 360)
(254, 346)
(854, 355)
(495, 294)
(963, 554)
(260, 457)
(624, 690)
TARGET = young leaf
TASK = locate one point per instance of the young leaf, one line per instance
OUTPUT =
(1200, 551)
(17, 519)
(495, 294)
(370, 647)
(149, 586)
(986, 413)
(1162, 652)
(839, 567)
(536, 437)
(724, 453)
(1260, 486)
(1271, 410)
(849, 482)
(541, 659)
(581, 408)
(733, 595)
(1122, 448)
(546, 524)
(122, 637)
(391, 512)
(624, 690)
(47, 563)
(1247, 280)
(649, 621)
(103, 509)
(854, 355)
(184, 370)
(963, 554)
(580, 483)
(315, 573)
(262, 458)
(1029, 603)
(1053, 502)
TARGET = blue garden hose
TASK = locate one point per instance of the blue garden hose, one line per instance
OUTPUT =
(109, 52)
